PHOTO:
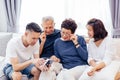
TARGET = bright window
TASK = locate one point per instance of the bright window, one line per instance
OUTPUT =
(79, 10)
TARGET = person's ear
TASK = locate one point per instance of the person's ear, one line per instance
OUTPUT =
(26, 33)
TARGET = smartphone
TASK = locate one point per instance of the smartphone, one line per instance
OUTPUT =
(48, 62)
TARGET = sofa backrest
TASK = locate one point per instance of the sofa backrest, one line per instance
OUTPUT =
(4, 38)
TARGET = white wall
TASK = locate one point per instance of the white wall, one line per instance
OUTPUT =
(3, 23)
(79, 10)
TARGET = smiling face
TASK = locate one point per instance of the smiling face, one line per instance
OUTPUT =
(96, 29)
(90, 31)
(48, 27)
(65, 34)
(32, 37)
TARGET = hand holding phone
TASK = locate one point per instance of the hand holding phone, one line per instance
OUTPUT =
(48, 62)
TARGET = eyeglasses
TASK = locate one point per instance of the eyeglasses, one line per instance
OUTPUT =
(65, 34)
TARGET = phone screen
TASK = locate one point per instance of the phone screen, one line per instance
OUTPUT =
(48, 62)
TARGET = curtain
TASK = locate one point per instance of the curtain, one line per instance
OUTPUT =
(115, 14)
(12, 14)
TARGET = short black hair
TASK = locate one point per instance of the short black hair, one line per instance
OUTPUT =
(33, 27)
(98, 29)
(69, 24)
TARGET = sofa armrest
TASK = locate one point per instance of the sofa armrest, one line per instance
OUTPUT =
(1, 65)
(4, 38)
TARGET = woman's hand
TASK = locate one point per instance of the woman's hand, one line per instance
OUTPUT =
(54, 58)
(91, 72)
(74, 38)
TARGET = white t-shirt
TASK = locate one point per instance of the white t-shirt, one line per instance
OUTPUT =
(103, 53)
(15, 48)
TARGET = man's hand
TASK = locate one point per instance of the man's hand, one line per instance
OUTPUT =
(43, 37)
(38, 62)
(43, 68)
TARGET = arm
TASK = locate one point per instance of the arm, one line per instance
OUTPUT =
(92, 63)
(80, 46)
(91, 60)
(13, 57)
(56, 53)
(19, 66)
(82, 52)
(106, 60)
(109, 52)
(96, 68)
(41, 47)
(38, 61)
(99, 66)
(11, 52)
(43, 39)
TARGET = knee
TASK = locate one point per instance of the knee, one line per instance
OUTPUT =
(35, 72)
(16, 76)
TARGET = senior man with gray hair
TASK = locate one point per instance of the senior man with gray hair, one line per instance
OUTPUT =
(47, 38)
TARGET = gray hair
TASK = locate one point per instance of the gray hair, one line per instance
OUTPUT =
(47, 18)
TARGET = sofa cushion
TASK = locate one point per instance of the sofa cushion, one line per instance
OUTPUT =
(3, 78)
(1, 65)
(4, 38)
(116, 46)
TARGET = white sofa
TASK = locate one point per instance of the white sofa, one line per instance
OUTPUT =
(4, 38)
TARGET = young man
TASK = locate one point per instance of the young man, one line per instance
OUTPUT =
(19, 54)
(48, 37)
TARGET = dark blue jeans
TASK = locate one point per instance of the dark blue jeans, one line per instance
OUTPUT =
(8, 70)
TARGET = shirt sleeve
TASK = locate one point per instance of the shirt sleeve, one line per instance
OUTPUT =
(82, 49)
(109, 52)
(89, 53)
(11, 49)
(56, 50)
